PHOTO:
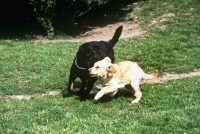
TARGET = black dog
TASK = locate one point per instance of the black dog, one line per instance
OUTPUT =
(87, 55)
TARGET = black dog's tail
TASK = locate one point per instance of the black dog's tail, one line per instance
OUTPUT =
(116, 36)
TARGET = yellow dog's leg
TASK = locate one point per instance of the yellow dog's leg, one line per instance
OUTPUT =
(106, 90)
(138, 93)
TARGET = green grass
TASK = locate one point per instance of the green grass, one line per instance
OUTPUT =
(165, 108)
(171, 107)
(29, 68)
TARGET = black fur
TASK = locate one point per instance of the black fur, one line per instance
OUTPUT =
(87, 55)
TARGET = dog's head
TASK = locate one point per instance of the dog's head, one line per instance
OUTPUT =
(102, 68)
(92, 50)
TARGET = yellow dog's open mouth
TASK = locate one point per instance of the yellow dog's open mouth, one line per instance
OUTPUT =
(93, 75)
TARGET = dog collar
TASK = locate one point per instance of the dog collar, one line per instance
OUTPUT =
(77, 64)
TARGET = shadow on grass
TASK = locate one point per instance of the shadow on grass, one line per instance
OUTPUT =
(121, 93)
(106, 98)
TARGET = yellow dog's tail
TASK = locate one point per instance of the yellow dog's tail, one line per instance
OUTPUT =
(150, 76)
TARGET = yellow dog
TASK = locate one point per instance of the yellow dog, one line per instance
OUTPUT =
(114, 76)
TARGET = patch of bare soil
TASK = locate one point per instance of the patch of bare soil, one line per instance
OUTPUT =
(105, 29)
(98, 33)
(86, 30)
(163, 18)
(106, 33)
(130, 29)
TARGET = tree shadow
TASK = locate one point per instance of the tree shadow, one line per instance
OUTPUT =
(18, 20)
(101, 16)
(19, 23)
(20, 30)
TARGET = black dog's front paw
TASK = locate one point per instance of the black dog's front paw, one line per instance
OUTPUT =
(79, 93)
(83, 98)
(66, 93)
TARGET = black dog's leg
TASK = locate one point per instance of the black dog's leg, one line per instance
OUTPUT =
(82, 89)
(70, 88)
(90, 85)
(72, 78)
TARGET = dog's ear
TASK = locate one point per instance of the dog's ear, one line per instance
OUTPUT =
(111, 70)
(107, 59)
(84, 47)
(96, 47)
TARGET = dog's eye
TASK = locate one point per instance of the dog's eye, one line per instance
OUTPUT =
(97, 67)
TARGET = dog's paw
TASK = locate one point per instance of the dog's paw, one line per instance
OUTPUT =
(66, 93)
(82, 99)
(96, 98)
(134, 101)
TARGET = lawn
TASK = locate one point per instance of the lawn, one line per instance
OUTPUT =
(170, 107)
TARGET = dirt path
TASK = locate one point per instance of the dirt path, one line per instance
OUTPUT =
(98, 33)
(161, 79)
